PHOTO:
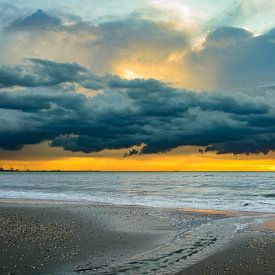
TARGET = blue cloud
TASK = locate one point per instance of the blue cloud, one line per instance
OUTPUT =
(130, 112)
(38, 20)
(237, 58)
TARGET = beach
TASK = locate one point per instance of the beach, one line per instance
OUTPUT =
(136, 223)
(137, 137)
(250, 254)
(60, 239)
(68, 238)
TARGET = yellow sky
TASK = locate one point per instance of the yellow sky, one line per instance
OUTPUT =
(157, 163)
(182, 159)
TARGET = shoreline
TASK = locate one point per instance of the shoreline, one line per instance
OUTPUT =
(137, 171)
(203, 211)
(68, 237)
(65, 238)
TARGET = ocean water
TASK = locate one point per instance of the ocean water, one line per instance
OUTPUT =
(218, 190)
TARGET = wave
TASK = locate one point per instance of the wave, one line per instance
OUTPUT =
(269, 195)
(232, 204)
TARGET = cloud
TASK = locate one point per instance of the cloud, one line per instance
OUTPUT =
(231, 57)
(47, 73)
(40, 100)
(37, 21)
(131, 152)
(133, 45)
(225, 35)
(134, 41)
(127, 113)
(235, 58)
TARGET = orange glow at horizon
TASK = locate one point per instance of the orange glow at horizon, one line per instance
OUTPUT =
(194, 162)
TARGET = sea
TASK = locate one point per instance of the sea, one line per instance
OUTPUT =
(233, 191)
(194, 238)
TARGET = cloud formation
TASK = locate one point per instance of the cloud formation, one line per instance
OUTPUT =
(131, 43)
(236, 58)
(37, 21)
(127, 113)
(78, 103)
(230, 58)
(44, 73)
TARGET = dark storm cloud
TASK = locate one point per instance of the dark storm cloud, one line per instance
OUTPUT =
(46, 73)
(128, 113)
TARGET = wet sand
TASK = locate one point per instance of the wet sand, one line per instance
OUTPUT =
(250, 253)
(254, 254)
(59, 238)
(39, 239)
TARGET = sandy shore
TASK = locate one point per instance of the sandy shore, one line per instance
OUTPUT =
(62, 239)
(252, 254)
(37, 238)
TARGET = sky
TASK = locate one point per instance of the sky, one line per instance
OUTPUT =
(137, 85)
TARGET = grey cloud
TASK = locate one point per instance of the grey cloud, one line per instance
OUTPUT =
(37, 21)
(228, 34)
(236, 58)
(47, 73)
(136, 40)
(231, 58)
(137, 31)
(99, 47)
(41, 21)
(144, 113)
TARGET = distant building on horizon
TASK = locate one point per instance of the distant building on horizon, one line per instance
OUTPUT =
(2, 169)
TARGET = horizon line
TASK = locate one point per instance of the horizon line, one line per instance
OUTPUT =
(139, 171)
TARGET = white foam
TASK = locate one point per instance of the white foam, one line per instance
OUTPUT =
(240, 227)
(152, 201)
